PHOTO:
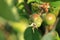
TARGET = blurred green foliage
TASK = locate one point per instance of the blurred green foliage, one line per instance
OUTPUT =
(14, 10)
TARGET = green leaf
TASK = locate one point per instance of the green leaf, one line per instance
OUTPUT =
(51, 36)
(30, 35)
(56, 7)
(55, 4)
(8, 10)
(36, 35)
(38, 1)
(56, 11)
(57, 36)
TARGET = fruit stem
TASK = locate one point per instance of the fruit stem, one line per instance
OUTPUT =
(46, 29)
(27, 8)
(55, 23)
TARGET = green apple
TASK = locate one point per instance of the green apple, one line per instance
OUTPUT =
(50, 19)
(37, 19)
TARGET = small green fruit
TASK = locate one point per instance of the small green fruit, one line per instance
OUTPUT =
(50, 19)
(37, 19)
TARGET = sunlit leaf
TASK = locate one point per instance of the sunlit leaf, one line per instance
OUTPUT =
(21, 25)
(55, 4)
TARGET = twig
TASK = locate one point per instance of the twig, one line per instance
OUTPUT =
(56, 23)
(46, 29)
(27, 8)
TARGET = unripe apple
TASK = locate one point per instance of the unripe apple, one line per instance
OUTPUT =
(50, 19)
(37, 19)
